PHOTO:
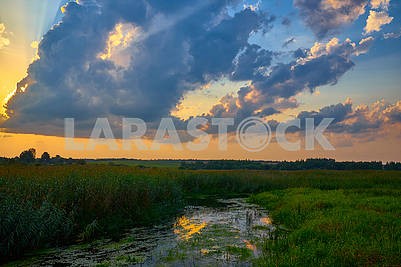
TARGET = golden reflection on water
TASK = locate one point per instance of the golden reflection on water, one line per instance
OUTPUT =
(266, 220)
(250, 246)
(185, 228)
(205, 251)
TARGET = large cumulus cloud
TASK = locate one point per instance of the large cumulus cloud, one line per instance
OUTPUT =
(176, 47)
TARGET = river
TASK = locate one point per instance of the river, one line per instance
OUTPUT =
(222, 232)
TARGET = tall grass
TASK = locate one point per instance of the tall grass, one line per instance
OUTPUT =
(42, 206)
(226, 182)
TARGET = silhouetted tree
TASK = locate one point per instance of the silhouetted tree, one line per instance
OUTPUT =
(45, 157)
(58, 160)
(28, 156)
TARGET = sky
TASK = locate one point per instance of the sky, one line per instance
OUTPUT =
(153, 59)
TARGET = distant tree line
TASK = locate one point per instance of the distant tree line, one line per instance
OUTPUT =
(224, 165)
(308, 164)
(29, 157)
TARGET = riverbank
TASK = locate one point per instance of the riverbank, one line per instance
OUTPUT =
(345, 227)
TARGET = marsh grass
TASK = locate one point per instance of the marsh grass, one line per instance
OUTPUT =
(50, 206)
(345, 227)
(47, 206)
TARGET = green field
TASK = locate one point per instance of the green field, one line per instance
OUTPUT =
(322, 217)
(333, 227)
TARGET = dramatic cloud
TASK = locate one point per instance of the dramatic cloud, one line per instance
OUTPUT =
(4, 41)
(376, 20)
(359, 120)
(326, 16)
(117, 59)
(274, 90)
(133, 59)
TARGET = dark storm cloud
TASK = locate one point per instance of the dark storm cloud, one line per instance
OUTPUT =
(325, 17)
(181, 46)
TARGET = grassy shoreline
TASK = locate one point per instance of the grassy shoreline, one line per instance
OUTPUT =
(351, 227)
(48, 206)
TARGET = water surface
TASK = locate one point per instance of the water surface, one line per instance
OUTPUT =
(221, 232)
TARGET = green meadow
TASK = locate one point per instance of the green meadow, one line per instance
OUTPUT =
(322, 218)
(343, 227)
